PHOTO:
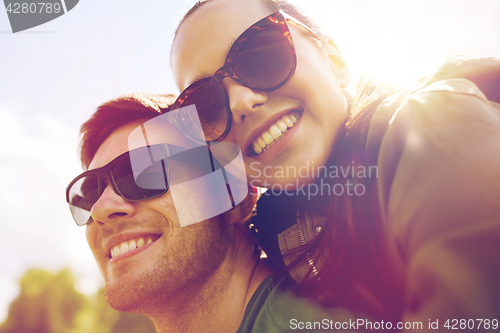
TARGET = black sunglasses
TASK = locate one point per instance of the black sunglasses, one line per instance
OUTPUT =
(140, 174)
(262, 58)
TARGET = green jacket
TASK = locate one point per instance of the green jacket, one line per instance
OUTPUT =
(275, 308)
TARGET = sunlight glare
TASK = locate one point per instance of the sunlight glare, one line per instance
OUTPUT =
(391, 57)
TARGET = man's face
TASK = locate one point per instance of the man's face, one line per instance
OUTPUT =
(172, 262)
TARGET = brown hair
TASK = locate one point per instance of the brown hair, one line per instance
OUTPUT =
(116, 113)
(351, 243)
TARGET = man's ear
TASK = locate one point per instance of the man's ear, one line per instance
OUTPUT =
(337, 63)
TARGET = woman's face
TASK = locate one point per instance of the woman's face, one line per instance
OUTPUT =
(313, 94)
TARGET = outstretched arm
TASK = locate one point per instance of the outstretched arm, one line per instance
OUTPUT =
(439, 186)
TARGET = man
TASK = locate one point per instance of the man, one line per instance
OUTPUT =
(203, 277)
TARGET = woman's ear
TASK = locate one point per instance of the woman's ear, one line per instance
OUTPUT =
(337, 63)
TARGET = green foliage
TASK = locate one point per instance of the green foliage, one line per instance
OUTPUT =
(97, 316)
(49, 303)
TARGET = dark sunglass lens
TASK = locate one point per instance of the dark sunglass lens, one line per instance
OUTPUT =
(82, 196)
(265, 60)
(210, 104)
(149, 180)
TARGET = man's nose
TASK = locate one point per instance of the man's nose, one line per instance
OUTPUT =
(111, 206)
(243, 101)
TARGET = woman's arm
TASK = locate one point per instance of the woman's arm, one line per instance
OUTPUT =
(439, 188)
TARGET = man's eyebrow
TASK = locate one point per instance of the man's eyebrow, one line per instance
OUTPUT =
(200, 76)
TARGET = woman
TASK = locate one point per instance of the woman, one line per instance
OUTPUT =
(413, 240)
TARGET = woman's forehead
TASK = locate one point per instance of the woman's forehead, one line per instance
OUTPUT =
(202, 41)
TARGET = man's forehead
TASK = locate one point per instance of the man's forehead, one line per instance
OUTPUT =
(114, 145)
(158, 131)
(137, 134)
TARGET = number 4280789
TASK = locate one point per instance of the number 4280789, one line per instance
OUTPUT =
(472, 324)
(40, 7)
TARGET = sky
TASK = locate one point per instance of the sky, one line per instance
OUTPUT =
(53, 76)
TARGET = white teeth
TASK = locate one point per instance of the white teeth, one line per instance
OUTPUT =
(256, 148)
(115, 252)
(140, 242)
(261, 142)
(126, 246)
(267, 139)
(275, 132)
(288, 121)
(281, 125)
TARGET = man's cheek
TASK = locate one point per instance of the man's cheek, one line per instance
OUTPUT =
(200, 199)
(91, 237)
(91, 233)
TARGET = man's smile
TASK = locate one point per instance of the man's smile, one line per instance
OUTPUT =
(129, 244)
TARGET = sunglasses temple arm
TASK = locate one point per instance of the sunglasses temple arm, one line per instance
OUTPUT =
(300, 25)
(227, 186)
(216, 165)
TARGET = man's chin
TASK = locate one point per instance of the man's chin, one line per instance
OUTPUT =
(121, 300)
(138, 294)
(129, 298)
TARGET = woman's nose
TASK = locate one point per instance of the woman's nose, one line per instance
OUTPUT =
(243, 101)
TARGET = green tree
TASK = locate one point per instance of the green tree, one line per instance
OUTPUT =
(97, 316)
(47, 303)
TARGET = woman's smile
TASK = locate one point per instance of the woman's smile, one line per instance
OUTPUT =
(263, 142)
